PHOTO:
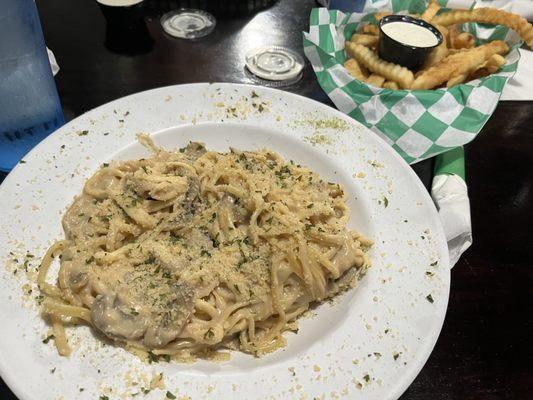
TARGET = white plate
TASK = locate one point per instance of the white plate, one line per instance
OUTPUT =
(346, 350)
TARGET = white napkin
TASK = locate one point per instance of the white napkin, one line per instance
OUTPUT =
(450, 194)
(520, 87)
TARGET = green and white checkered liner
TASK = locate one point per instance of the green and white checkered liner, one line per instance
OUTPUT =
(418, 124)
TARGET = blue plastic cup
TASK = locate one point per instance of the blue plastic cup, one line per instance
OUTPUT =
(29, 105)
(347, 5)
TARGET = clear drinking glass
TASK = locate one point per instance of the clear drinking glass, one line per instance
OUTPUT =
(29, 104)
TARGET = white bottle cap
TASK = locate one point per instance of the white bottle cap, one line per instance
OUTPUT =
(119, 3)
(274, 63)
(188, 23)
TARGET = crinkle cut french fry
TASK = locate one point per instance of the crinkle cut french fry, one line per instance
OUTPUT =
(380, 15)
(439, 52)
(489, 16)
(458, 64)
(391, 85)
(375, 80)
(430, 12)
(493, 64)
(370, 60)
(369, 29)
(453, 31)
(455, 51)
(464, 40)
(456, 80)
(354, 69)
(365, 40)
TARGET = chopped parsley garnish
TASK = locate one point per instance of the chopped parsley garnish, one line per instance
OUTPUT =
(209, 334)
(134, 312)
(83, 133)
(395, 356)
(385, 202)
(174, 238)
(150, 260)
(310, 205)
(152, 358)
(366, 378)
(170, 395)
(429, 298)
(254, 94)
(434, 263)
(237, 288)
(205, 253)
(90, 260)
(104, 397)
(48, 338)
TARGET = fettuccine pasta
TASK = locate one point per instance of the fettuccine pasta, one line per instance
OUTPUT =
(189, 252)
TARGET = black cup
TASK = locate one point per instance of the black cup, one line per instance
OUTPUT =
(126, 31)
(122, 16)
(396, 52)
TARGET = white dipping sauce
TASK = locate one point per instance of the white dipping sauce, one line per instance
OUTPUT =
(410, 34)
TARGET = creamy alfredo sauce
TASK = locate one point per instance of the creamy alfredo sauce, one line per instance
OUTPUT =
(410, 34)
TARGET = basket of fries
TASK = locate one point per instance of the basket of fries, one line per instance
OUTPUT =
(428, 111)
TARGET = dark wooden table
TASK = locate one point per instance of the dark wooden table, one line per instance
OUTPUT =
(485, 350)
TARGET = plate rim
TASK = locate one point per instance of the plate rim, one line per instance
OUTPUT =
(399, 387)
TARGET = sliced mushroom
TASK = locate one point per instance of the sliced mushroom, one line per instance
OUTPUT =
(168, 322)
(116, 320)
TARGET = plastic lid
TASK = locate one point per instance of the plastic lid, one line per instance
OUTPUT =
(119, 3)
(188, 23)
(274, 63)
